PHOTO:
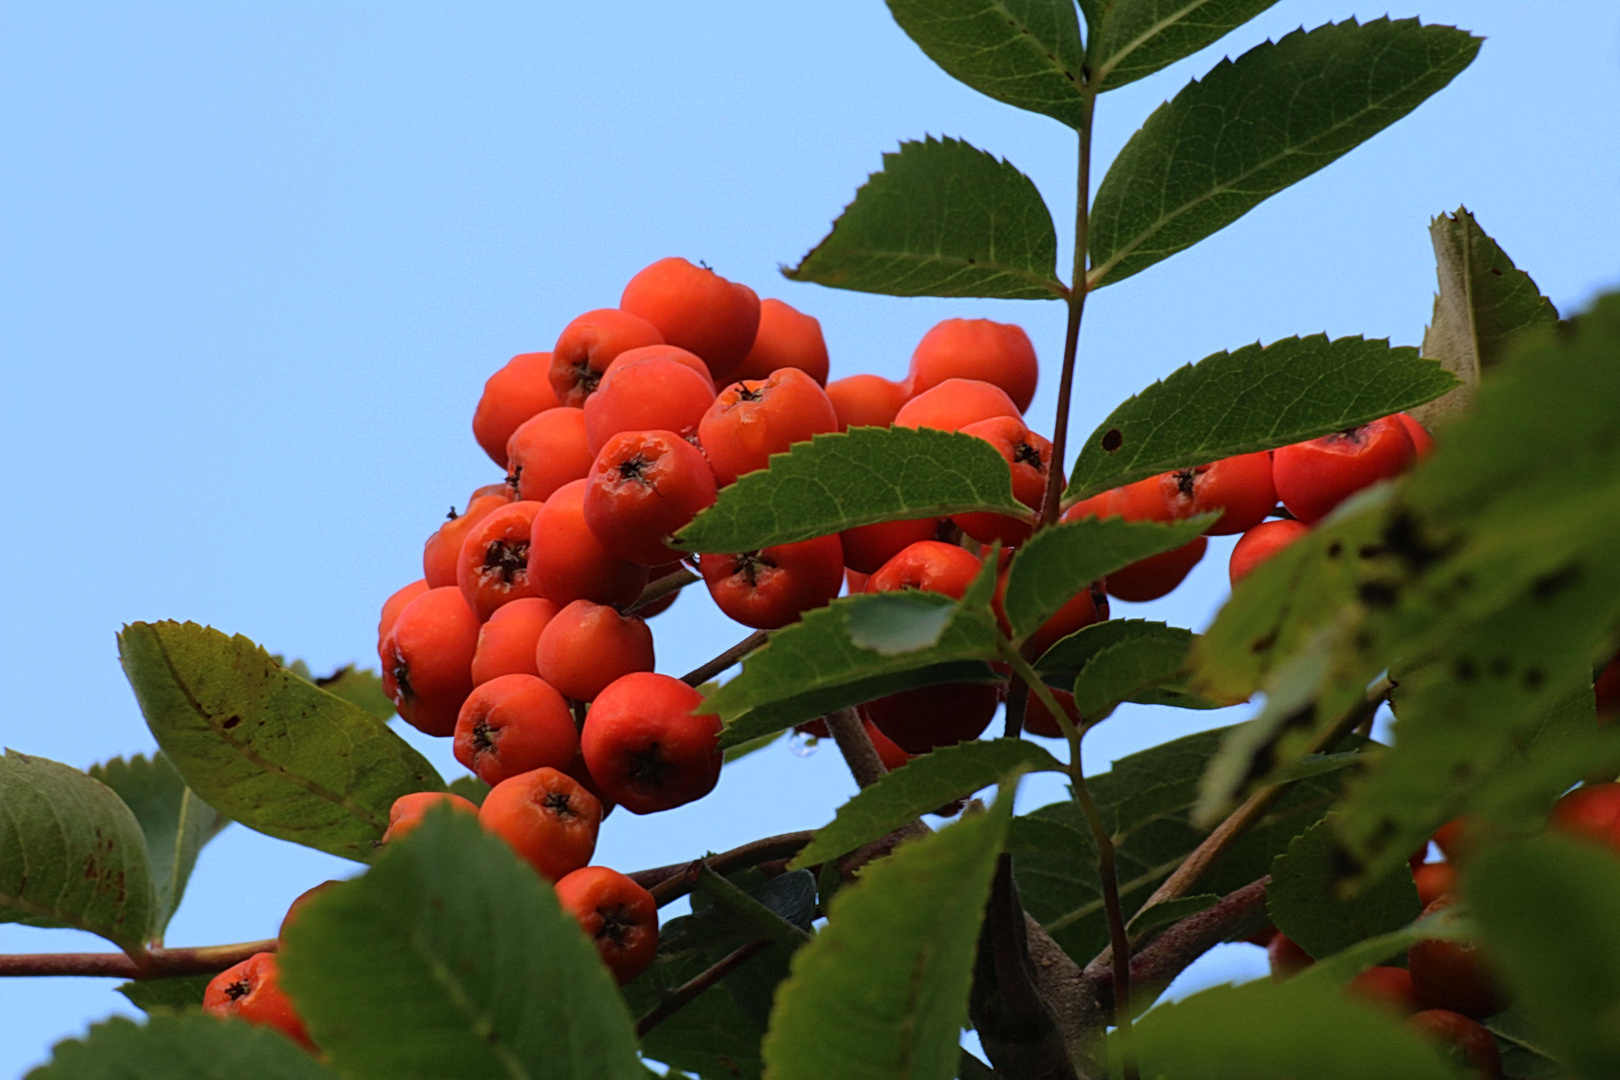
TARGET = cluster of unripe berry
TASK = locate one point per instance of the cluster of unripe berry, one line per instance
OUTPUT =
(1448, 987)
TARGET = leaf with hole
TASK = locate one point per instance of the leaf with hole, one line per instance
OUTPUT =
(72, 854)
(1258, 124)
(865, 475)
(1022, 52)
(1255, 398)
(397, 977)
(942, 219)
(174, 821)
(265, 747)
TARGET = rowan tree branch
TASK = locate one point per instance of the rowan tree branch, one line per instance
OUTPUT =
(676, 880)
(684, 993)
(672, 582)
(161, 963)
(704, 672)
(856, 746)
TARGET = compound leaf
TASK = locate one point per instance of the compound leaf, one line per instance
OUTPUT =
(397, 977)
(942, 219)
(71, 854)
(1255, 125)
(269, 749)
(1256, 398)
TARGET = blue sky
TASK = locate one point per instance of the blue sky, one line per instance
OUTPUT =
(259, 260)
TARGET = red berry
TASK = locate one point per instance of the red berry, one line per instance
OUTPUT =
(548, 451)
(644, 487)
(250, 991)
(771, 588)
(1286, 957)
(996, 353)
(648, 395)
(645, 747)
(750, 421)
(1467, 1042)
(1239, 487)
(1313, 477)
(619, 916)
(865, 400)
(697, 309)
(1387, 987)
(427, 659)
(1156, 575)
(787, 338)
(514, 724)
(518, 391)
(587, 646)
(547, 818)
(1028, 457)
(954, 404)
(589, 344)
(1261, 543)
(493, 567)
(409, 810)
(507, 639)
(929, 565)
(567, 562)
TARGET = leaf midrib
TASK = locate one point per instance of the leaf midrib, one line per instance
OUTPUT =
(1137, 42)
(247, 753)
(1097, 273)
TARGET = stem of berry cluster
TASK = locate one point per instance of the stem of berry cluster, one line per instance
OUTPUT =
(1077, 308)
(160, 963)
(704, 672)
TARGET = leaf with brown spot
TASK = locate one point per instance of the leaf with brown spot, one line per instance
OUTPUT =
(299, 764)
(71, 854)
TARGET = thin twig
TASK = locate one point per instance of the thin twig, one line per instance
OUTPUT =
(672, 582)
(704, 672)
(161, 963)
(674, 881)
(856, 746)
(683, 994)
(1256, 806)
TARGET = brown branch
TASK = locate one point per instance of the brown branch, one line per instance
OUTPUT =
(1256, 806)
(161, 963)
(856, 746)
(672, 582)
(682, 995)
(704, 672)
(1155, 966)
(674, 881)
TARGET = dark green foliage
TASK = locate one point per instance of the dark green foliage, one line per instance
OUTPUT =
(1135, 38)
(1305, 904)
(1256, 125)
(186, 1047)
(942, 219)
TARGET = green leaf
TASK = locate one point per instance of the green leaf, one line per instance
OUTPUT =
(192, 1046)
(753, 917)
(71, 854)
(1144, 800)
(942, 219)
(470, 788)
(1333, 972)
(175, 822)
(883, 990)
(922, 784)
(1484, 579)
(449, 957)
(1305, 904)
(1525, 1053)
(1256, 125)
(1257, 398)
(1138, 37)
(811, 667)
(742, 750)
(1546, 907)
(1482, 302)
(1124, 670)
(265, 747)
(1022, 52)
(1059, 665)
(166, 995)
(838, 481)
(1264, 1029)
(1059, 562)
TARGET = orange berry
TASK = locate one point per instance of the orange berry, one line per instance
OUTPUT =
(996, 353)
(787, 338)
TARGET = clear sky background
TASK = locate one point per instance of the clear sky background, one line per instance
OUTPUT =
(259, 259)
